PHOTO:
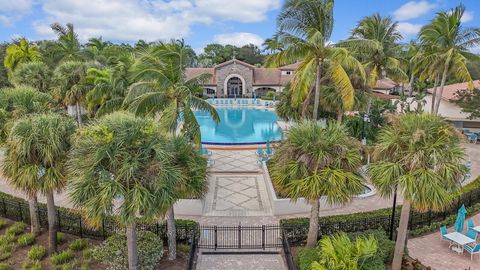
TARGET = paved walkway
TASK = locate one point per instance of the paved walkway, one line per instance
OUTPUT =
(434, 252)
(240, 262)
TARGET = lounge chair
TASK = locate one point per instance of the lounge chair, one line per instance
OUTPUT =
(473, 138)
(259, 152)
(269, 152)
(443, 231)
(472, 249)
(471, 234)
(262, 160)
(231, 102)
(216, 102)
(221, 102)
(210, 162)
(205, 151)
(470, 223)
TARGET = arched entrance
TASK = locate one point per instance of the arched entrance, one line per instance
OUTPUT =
(234, 87)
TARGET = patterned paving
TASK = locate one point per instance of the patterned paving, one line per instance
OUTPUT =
(235, 161)
(243, 262)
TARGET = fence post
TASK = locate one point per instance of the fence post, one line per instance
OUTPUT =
(215, 236)
(239, 236)
(20, 211)
(263, 237)
(59, 221)
(80, 225)
(429, 217)
(158, 229)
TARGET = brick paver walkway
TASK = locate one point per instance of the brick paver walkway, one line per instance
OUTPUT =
(243, 262)
(434, 252)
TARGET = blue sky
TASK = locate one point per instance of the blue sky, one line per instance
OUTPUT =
(201, 21)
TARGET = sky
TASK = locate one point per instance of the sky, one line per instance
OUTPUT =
(201, 22)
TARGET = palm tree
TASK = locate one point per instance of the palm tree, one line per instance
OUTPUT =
(71, 86)
(420, 155)
(339, 252)
(162, 91)
(446, 43)
(19, 53)
(37, 149)
(122, 165)
(375, 41)
(315, 161)
(304, 30)
(35, 74)
(67, 47)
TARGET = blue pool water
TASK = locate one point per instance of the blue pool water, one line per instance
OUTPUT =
(239, 126)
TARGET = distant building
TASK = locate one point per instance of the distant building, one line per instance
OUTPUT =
(386, 86)
(240, 79)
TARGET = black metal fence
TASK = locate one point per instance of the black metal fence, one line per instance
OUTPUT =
(240, 237)
(72, 223)
(287, 252)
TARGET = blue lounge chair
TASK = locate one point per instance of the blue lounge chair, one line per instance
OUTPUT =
(262, 160)
(443, 231)
(221, 102)
(205, 151)
(471, 234)
(216, 102)
(210, 162)
(269, 151)
(472, 249)
(470, 223)
(473, 138)
(231, 102)
(258, 102)
(259, 152)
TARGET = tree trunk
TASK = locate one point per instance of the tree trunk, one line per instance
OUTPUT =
(132, 247)
(442, 85)
(34, 219)
(79, 114)
(313, 227)
(52, 223)
(410, 85)
(339, 116)
(401, 236)
(402, 89)
(171, 234)
(434, 95)
(316, 102)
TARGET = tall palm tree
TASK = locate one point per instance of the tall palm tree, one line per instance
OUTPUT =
(163, 92)
(420, 155)
(67, 47)
(35, 74)
(339, 252)
(315, 161)
(20, 52)
(37, 149)
(70, 85)
(122, 165)
(304, 30)
(446, 43)
(375, 42)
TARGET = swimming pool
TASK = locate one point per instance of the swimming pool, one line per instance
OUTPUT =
(239, 126)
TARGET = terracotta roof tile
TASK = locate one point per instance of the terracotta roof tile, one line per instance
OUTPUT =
(194, 72)
(450, 90)
(266, 76)
(385, 84)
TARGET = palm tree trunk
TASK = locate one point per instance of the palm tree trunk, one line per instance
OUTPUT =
(171, 234)
(339, 116)
(79, 114)
(313, 227)
(52, 223)
(316, 102)
(410, 85)
(434, 95)
(401, 236)
(34, 219)
(442, 85)
(132, 248)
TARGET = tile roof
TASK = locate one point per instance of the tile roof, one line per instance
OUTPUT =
(194, 72)
(266, 76)
(385, 84)
(449, 91)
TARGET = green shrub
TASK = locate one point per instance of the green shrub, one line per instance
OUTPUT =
(60, 237)
(113, 251)
(84, 267)
(78, 244)
(4, 266)
(73, 265)
(32, 265)
(36, 252)
(386, 246)
(183, 248)
(87, 253)
(7, 239)
(305, 258)
(62, 257)
(16, 229)
(26, 239)
(5, 255)
(3, 223)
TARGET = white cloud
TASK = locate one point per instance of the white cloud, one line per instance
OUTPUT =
(130, 20)
(238, 39)
(409, 29)
(11, 11)
(412, 10)
(467, 16)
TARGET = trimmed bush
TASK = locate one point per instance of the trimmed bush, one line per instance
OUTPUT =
(3, 223)
(305, 258)
(78, 244)
(4, 266)
(26, 239)
(16, 229)
(7, 239)
(62, 257)
(32, 265)
(60, 237)
(113, 251)
(36, 252)
(5, 255)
